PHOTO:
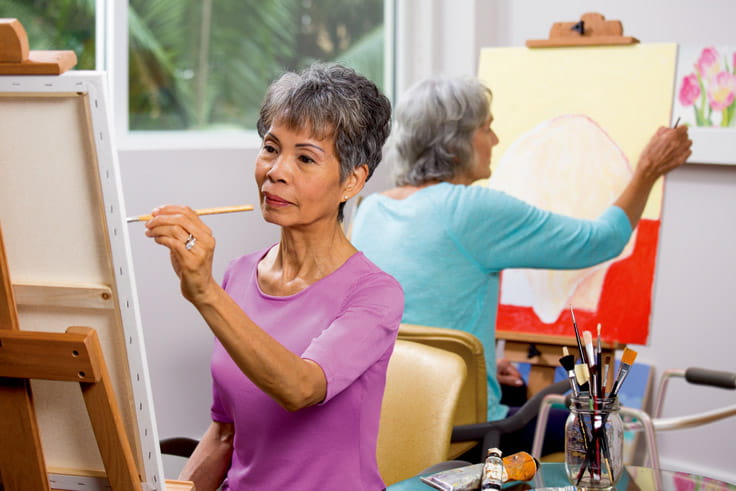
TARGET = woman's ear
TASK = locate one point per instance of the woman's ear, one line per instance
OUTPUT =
(355, 181)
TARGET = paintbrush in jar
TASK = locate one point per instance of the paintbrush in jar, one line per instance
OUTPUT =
(577, 336)
(627, 359)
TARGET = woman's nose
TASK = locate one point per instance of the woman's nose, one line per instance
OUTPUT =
(279, 170)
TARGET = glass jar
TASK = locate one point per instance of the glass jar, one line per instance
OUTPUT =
(594, 442)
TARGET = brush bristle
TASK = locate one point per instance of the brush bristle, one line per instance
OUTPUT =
(581, 373)
(587, 337)
(568, 362)
(629, 356)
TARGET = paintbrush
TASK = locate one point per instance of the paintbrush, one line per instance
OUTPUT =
(568, 363)
(588, 341)
(599, 438)
(577, 336)
(202, 211)
(598, 355)
(590, 352)
(582, 375)
(627, 359)
(606, 366)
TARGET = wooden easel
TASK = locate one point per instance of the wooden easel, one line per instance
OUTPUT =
(72, 356)
(543, 351)
(17, 59)
(591, 30)
(75, 355)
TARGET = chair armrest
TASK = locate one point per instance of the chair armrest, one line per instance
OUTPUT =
(713, 378)
(490, 432)
(178, 446)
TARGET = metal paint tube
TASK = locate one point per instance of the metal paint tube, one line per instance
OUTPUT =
(492, 470)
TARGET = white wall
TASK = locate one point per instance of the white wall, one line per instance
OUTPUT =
(692, 314)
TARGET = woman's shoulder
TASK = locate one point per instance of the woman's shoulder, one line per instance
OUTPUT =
(362, 270)
(460, 200)
(360, 274)
(443, 190)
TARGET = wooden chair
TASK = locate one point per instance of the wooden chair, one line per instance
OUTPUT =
(423, 385)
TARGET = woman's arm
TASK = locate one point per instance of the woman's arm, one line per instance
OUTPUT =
(209, 463)
(515, 234)
(667, 149)
(290, 380)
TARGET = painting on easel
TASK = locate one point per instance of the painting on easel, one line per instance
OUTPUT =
(571, 123)
(66, 278)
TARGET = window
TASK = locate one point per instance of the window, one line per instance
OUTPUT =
(203, 65)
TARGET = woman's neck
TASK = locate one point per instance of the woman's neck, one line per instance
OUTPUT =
(302, 258)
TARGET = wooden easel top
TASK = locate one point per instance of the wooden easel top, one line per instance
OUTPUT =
(17, 59)
(550, 339)
(591, 30)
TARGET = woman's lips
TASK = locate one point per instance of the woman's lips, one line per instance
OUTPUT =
(274, 200)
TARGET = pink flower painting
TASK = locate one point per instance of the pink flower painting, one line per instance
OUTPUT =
(689, 90)
(710, 89)
(721, 91)
(707, 65)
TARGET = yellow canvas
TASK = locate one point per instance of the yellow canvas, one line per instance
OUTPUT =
(572, 123)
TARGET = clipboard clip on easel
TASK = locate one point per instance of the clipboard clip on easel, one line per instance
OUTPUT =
(591, 30)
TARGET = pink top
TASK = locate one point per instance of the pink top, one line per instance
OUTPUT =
(347, 323)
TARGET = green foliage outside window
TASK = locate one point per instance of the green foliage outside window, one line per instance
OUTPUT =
(205, 64)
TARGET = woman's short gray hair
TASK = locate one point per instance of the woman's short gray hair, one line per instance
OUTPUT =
(332, 100)
(432, 138)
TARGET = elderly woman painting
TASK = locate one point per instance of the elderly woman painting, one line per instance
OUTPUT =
(446, 241)
(305, 328)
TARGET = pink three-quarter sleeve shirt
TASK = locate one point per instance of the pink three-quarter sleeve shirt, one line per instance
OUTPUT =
(347, 323)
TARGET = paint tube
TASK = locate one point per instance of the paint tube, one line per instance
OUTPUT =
(492, 470)
(520, 466)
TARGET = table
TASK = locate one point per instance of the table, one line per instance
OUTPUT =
(552, 475)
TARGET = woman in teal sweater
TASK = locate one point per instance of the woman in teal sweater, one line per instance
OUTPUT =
(446, 241)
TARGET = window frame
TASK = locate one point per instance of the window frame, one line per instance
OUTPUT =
(112, 56)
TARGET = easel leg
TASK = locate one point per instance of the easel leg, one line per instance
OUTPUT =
(22, 464)
(107, 424)
(540, 377)
(21, 458)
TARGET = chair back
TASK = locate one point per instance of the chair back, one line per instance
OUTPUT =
(473, 405)
(422, 389)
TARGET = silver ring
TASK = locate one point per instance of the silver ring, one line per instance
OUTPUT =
(189, 243)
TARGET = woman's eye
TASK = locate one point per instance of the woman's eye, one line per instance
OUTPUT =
(306, 159)
(268, 148)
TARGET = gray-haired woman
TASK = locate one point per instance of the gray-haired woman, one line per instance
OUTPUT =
(304, 328)
(447, 242)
